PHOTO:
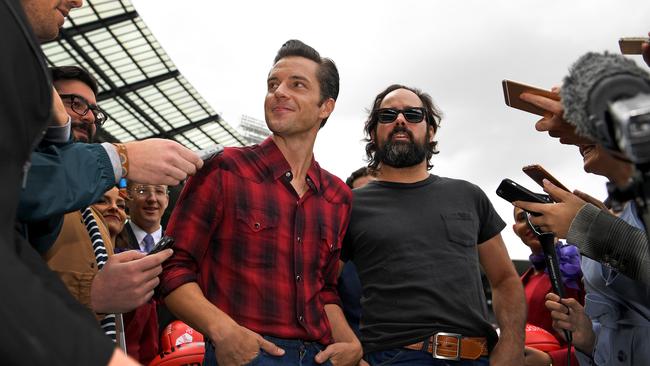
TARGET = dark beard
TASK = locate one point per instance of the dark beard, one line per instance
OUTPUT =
(401, 154)
(85, 126)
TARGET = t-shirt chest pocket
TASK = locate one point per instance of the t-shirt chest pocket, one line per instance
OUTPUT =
(258, 230)
(461, 228)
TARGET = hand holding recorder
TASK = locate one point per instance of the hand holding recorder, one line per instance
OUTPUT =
(520, 197)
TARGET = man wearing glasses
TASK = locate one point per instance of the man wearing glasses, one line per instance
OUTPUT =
(42, 324)
(77, 90)
(146, 205)
(418, 241)
(126, 280)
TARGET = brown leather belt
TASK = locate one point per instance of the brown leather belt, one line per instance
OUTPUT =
(453, 346)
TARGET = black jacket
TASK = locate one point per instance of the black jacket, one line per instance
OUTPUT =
(41, 323)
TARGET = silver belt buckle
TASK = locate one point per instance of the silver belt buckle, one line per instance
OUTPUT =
(435, 346)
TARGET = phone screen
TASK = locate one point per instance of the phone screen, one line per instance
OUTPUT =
(512, 90)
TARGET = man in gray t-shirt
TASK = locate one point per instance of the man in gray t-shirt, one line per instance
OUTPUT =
(418, 241)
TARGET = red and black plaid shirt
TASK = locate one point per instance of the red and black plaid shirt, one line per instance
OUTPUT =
(260, 253)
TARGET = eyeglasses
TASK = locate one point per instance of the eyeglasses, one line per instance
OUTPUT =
(81, 106)
(412, 114)
(145, 191)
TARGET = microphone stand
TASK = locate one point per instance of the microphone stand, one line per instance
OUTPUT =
(547, 241)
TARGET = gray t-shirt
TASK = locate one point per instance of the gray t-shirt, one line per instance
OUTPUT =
(415, 248)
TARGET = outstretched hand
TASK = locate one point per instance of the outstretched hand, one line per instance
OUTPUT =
(554, 122)
(555, 217)
(160, 161)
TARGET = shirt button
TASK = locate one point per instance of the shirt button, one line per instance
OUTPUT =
(257, 225)
(287, 174)
(299, 239)
(301, 318)
(298, 278)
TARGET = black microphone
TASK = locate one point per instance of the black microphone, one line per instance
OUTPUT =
(547, 241)
(607, 98)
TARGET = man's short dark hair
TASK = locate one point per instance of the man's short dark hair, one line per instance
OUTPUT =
(364, 171)
(327, 74)
(433, 117)
(74, 73)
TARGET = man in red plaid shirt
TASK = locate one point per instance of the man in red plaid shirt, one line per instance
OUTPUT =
(258, 234)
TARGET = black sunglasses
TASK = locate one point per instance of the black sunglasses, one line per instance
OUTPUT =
(412, 114)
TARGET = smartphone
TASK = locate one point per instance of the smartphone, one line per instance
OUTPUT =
(537, 173)
(164, 243)
(632, 45)
(210, 152)
(512, 90)
(511, 192)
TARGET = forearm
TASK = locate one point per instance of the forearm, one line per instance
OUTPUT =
(610, 240)
(510, 310)
(64, 179)
(341, 330)
(189, 304)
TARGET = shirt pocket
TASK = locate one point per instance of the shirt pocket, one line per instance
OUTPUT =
(328, 246)
(461, 228)
(258, 231)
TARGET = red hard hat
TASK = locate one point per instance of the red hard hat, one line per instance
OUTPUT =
(177, 333)
(540, 339)
(185, 354)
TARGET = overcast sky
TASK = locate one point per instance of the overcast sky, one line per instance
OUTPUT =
(457, 51)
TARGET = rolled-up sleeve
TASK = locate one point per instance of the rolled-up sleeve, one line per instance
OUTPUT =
(192, 225)
(329, 294)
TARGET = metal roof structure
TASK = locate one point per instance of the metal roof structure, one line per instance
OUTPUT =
(140, 88)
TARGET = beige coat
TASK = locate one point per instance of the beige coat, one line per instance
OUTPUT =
(72, 256)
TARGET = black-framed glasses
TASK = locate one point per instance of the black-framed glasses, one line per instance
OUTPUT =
(411, 114)
(81, 106)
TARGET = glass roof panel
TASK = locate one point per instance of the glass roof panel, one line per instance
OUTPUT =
(140, 88)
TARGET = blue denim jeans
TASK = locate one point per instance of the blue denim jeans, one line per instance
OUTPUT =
(296, 352)
(403, 356)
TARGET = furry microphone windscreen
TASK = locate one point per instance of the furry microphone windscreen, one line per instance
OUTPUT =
(584, 76)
